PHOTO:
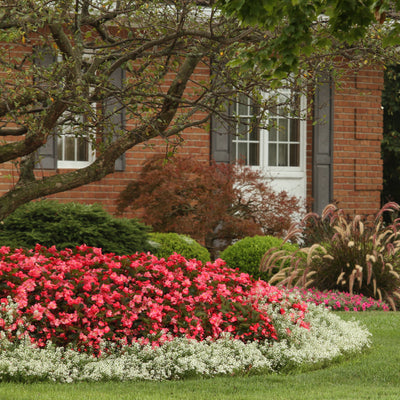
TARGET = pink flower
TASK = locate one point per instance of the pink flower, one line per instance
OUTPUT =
(129, 298)
(156, 313)
(305, 325)
(52, 305)
(37, 311)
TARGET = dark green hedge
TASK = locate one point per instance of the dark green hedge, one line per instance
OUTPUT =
(51, 223)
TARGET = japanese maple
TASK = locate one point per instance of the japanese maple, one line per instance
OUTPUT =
(212, 203)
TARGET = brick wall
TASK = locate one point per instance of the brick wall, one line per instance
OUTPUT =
(106, 191)
(196, 142)
(357, 173)
(357, 168)
(8, 171)
(358, 128)
(357, 136)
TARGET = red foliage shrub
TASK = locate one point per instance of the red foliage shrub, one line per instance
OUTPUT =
(208, 202)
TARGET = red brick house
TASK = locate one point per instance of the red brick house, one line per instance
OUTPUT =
(333, 156)
(340, 146)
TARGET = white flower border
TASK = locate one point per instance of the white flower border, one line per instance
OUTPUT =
(329, 337)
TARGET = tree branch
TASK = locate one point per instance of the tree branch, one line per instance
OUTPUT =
(26, 167)
(13, 131)
(66, 47)
(104, 164)
(23, 100)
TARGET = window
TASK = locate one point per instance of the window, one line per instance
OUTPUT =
(275, 144)
(284, 136)
(246, 143)
(64, 149)
(73, 151)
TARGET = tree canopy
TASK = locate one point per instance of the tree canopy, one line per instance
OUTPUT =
(164, 47)
(298, 28)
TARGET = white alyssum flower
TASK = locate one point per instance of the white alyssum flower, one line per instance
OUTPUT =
(328, 337)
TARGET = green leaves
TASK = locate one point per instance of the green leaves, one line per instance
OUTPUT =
(68, 225)
(299, 28)
(168, 243)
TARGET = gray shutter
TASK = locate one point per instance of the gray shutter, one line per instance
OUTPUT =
(117, 119)
(323, 144)
(221, 136)
(47, 154)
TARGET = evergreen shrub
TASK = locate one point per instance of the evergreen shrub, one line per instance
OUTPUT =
(246, 254)
(165, 244)
(49, 223)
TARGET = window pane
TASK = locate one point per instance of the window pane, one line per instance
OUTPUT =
(83, 149)
(294, 155)
(243, 106)
(60, 148)
(295, 105)
(294, 130)
(283, 130)
(246, 143)
(283, 155)
(254, 158)
(255, 132)
(243, 128)
(253, 109)
(69, 151)
(272, 132)
(242, 152)
(272, 155)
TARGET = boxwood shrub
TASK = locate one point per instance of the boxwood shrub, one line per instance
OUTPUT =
(49, 223)
(165, 244)
(246, 254)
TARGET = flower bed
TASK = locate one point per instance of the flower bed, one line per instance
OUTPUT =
(148, 318)
(341, 301)
(82, 298)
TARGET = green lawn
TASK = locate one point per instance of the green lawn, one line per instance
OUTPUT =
(372, 375)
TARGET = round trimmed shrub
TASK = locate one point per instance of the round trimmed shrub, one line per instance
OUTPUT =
(246, 254)
(165, 244)
(51, 223)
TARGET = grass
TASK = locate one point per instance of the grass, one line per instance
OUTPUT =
(372, 375)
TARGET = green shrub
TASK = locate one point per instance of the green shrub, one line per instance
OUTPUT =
(246, 254)
(355, 255)
(68, 225)
(165, 244)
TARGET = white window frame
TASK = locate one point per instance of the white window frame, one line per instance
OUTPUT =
(237, 139)
(65, 132)
(277, 171)
(286, 171)
(73, 164)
